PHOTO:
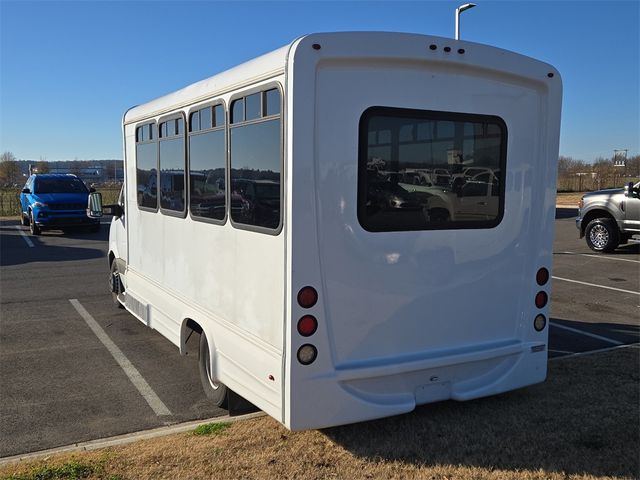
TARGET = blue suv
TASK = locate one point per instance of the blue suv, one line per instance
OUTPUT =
(55, 201)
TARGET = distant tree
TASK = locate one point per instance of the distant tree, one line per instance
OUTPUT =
(9, 169)
(42, 166)
(633, 166)
(76, 168)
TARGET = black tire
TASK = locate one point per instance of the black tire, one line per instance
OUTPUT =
(33, 228)
(25, 220)
(217, 392)
(114, 295)
(602, 235)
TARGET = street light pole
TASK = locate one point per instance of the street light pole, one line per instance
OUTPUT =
(459, 10)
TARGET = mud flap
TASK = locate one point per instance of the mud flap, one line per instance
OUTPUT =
(238, 405)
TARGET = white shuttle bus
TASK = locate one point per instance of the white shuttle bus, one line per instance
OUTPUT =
(354, 224)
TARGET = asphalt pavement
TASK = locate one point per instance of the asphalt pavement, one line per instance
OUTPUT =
(58, 383)
(62, 382)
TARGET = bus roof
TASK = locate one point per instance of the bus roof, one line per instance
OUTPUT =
(264, 66)
(273, 63)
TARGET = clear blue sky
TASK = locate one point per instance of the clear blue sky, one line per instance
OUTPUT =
(69, 70)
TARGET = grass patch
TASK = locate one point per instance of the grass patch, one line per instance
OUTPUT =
(583, 423)
(70, 470)
(210, 428)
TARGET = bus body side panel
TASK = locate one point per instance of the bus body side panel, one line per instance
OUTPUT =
(229, 280)
(409, 317)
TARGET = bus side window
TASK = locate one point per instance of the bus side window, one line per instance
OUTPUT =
(207, 164)
(256, 160)
(146, 166)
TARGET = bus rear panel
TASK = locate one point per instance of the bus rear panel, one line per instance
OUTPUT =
(422, 207)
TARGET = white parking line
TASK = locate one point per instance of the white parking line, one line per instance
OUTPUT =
(24, 235)
(560, 351)
(594, 285)
(587, 334)
(138, 381)
(601, 257)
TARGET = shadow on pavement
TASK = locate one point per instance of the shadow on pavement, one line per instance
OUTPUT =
(582, 420)
(15, 250)
(566, 212)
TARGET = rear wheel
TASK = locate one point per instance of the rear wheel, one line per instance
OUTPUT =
(602, 235)
(215, 391)
(33, 228)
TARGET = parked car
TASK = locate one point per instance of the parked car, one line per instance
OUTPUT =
(608, 218)
(55, 201)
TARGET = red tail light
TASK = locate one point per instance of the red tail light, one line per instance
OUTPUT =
(542, 276)
(307, 325)
(541, 299)
(307, 297)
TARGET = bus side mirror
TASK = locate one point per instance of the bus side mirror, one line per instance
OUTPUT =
(94, 205)
(116, 210)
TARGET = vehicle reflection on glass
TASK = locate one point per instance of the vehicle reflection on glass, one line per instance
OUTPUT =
(260, 202)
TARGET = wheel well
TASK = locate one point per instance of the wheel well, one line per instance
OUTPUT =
(598, 213)
(187, 346)
(112, 257)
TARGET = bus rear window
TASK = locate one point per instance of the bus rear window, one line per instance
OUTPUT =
(427, 170)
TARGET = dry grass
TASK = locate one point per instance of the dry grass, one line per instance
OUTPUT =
(569, 199)
(583, 423)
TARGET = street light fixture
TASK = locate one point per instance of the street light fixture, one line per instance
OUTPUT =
(459, 10)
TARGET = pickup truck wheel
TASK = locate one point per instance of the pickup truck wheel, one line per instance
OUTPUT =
(214, 391)
(602, 235)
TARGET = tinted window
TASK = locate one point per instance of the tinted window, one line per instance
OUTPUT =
(146, 168)
(218, 112)
(59, 185)
(272, 102)
(237, 111)
(421, 170)
(256, 173)
(205, 118)
(194, 122)
(172, 178)
(252, 108)
(207, 175)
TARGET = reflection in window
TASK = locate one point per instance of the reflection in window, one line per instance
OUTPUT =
(256, 172)
(423, 170)
(207, 174)
(172, 181)
(146, 167)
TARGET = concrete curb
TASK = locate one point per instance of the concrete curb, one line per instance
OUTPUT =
(126, 438)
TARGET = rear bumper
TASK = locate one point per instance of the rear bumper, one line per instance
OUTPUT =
(358, 393)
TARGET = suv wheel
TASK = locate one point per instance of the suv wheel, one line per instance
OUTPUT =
(35, 229)
(602, 235)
